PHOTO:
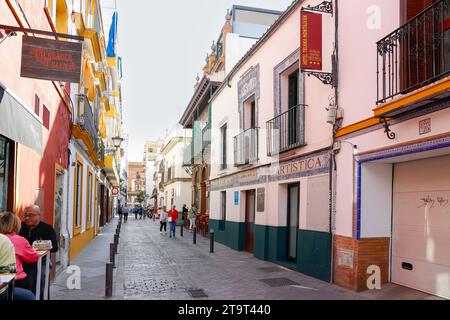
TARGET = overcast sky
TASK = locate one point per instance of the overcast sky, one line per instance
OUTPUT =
(163, 45)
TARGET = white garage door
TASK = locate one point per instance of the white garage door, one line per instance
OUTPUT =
(421, 225)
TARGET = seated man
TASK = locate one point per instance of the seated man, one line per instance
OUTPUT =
(34, 229)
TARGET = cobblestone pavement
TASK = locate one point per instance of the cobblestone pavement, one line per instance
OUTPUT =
(151, 266)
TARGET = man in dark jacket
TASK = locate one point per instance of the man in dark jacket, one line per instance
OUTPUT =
(34, 229)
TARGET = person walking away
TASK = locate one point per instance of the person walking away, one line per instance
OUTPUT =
(140, 211)
(7, 266)
(34, 229)
(120, 211)
(191, 216)
(125, 213)
(10, 226)
(163, 220)
(173, 218)
(135, 211)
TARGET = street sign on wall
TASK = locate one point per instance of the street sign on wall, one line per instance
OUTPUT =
(311, 40)
(115, 191)
(51, 59)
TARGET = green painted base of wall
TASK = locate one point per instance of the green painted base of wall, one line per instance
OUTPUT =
(270, 243)
(232, 235)
(314, 254)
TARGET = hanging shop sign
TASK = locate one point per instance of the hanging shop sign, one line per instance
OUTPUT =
(53, 60)
(311, 41)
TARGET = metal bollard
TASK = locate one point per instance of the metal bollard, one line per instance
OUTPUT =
(109, 280)
(112, 254)
(211, 240)
(181, 230)
(194, 235)
(116, 239)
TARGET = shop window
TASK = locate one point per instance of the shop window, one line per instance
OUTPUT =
(4, 170)
(78, 197)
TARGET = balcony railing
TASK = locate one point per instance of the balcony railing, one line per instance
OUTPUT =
(246, 147)
(100, 149)
(86, 119)
(416, 54)
(206, 136)
(283, 132)
(188, 155)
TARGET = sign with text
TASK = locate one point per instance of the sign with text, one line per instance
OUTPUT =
(311, 41)
(53, 60)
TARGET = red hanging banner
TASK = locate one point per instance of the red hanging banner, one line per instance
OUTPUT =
(311, 40)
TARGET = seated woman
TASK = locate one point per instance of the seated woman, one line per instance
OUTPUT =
(8, 265)
(10, 225)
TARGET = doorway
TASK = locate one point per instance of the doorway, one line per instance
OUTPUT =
(59, 182)
(249, 220)
(292, 221)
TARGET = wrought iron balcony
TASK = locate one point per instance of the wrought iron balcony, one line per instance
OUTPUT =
(99, 148)
(206, 136)
(416, 54)
(188, 155)
(284, 132)
(86, 119)
(246, 147)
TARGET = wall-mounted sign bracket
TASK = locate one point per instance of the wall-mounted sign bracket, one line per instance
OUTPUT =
(387, 129)
(27, 31)
(324, 7)
(325, 77)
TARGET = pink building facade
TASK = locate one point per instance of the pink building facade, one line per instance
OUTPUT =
(392, 153)
(342, 174)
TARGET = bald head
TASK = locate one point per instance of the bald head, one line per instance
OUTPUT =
(32, 216)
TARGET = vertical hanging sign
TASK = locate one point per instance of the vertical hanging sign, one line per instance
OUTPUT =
(311, 40)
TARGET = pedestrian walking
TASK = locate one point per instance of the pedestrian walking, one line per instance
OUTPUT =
(163, 220)
(126, 210)
(192, 214)
(120, 211)
(135, 211)
(185, 214)
(140, 211)
(173, 218)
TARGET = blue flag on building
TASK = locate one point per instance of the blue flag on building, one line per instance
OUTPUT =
(111, 50)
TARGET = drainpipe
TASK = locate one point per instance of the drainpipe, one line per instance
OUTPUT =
(333, 173)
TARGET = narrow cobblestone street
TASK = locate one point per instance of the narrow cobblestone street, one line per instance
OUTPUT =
(151, 266)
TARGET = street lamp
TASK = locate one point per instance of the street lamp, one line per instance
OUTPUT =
(117, 141)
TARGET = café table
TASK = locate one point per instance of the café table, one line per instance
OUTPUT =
(7, 280)
(43, 253)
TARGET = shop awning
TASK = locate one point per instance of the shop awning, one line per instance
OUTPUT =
(18, 124)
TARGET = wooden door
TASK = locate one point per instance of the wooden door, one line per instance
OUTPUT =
(293, 221)
(249, 220)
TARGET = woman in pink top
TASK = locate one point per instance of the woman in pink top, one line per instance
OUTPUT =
(10, 225)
